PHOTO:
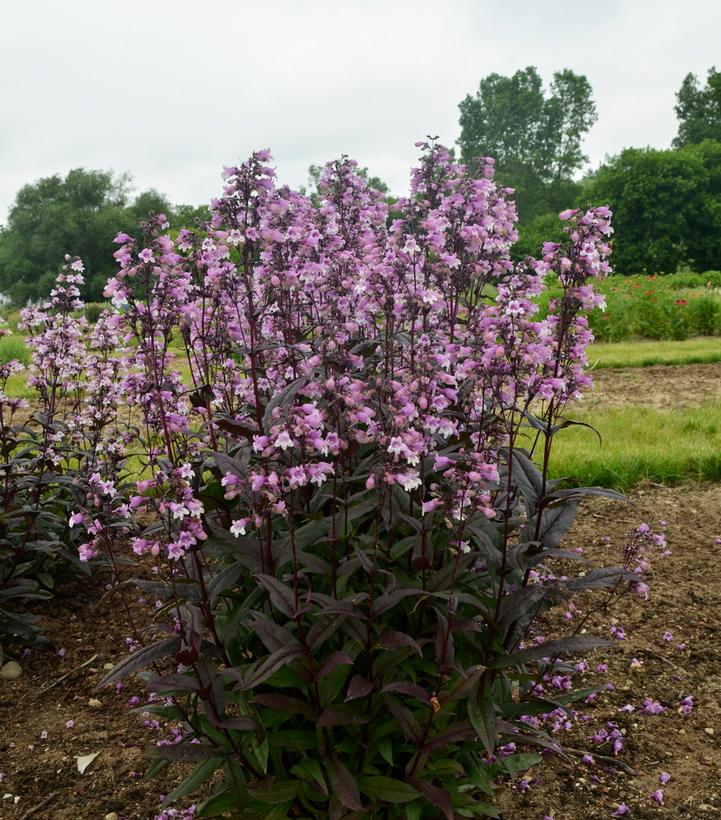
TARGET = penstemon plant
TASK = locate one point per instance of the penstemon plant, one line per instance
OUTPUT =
(60, 454)
(344, 494)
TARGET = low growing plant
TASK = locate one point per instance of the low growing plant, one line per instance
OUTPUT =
(354, 534)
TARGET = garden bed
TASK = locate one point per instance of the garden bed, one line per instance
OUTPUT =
(685, 599)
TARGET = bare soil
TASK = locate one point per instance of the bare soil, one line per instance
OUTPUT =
(661, 387)
(685, 598)
(85, 623)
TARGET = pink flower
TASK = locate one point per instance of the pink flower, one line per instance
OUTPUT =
(238, 527)
(652, 707)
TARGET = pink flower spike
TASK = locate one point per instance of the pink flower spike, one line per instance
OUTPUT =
(658, 796)
(622, 810)
(664, 777)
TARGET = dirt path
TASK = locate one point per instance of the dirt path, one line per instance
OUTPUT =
(662, 387)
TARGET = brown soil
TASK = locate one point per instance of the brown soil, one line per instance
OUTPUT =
(662, 387)
(89, 622)
(685, 599)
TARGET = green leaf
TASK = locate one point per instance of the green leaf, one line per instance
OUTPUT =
(387, 788)
(414, 810)
(519, 762)
(196, 779)
(277, 792)
(385, 747)
(219, 804)
(309, 770)
(483, 720)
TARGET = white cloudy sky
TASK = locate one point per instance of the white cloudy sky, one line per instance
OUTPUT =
(171, 90)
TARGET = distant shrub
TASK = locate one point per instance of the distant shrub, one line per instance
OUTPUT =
(93, 310)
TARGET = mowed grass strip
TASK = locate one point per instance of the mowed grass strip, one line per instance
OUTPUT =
(646, 353)
(640, 444)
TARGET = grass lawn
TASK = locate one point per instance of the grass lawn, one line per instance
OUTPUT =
(644, 353)
(640, 444)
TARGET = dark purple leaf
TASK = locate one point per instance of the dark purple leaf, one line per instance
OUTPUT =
(194, 752)
(405, 719)
(456, 733)
(243, 723)
(413, 690)
(273, 635)
(358, 687)
(173, 683)
(550, 649)
(391, 639)
(342, 784)
(271, 665)
(600, 578)
(334, 660)
(281, 596)
(283, 703)
(483, 720)
(555, 521)
(341, 714)
(389, 599)
(387, 789)
(435, 795)
(142, 659)
(577, 492)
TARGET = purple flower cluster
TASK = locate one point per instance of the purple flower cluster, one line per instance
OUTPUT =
(313, 328)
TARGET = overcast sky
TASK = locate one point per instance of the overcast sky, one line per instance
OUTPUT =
(171, 90)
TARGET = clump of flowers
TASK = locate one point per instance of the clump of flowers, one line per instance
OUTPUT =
(61, 451)
(342, 412)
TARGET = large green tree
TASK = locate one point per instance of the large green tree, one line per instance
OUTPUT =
(666, 207)
(77, 214)
(698, 109)
(535, 137)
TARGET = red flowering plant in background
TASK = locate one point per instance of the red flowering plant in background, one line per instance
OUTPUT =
(354, 532)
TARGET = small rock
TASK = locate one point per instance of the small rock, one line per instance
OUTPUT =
(11, 671)
(113, 815)
(108, 666)
(709, 731)
(94, 703)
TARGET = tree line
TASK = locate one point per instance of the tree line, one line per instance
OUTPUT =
(666, 202)
(79, 213)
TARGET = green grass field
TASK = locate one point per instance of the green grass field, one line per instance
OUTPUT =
(640, 444)
(644, 353)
